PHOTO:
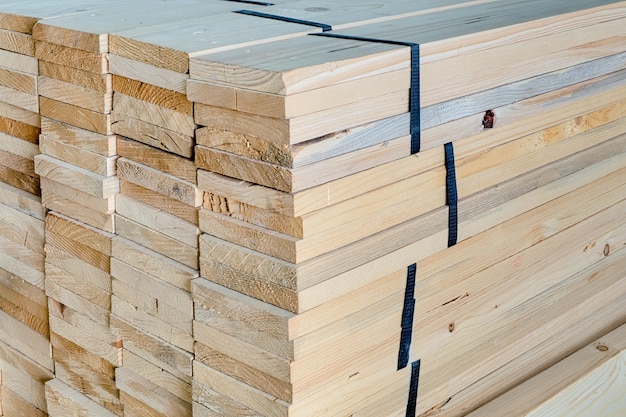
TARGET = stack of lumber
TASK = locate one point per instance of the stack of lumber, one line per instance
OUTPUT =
(304, 209)
(78, 184)
(315, 211)
(25, 362)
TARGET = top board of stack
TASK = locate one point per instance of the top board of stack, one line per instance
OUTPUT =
(324, 208)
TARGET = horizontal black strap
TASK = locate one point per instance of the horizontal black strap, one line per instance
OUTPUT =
(323, 26)
(257, 3)
(414, 94)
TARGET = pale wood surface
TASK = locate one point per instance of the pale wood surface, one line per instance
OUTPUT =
(591, 374)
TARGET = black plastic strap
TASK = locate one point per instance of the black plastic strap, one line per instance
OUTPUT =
(407, 318)
(411, 405)
(452, 197)
(257, 3)
(414, 95)
(323, 26)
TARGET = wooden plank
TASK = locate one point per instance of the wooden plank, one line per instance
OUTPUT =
(100, 205)
(71, 57)
(66, 348)
(156, 241)
(163, 161)
(20, 43)
(158, 376)
(154, 396)
(537, 394)
(153, 263)
(159, 181)
(155, 114)
(69, 207)
(160, 77)
(294, 105)
(153, 325)
(26, 340)
(253, 321)
(17, 146)
(153, 349)
(22, 228)
(252, 398)
(91, 161)
(20, 130)
(77, 267)
(525, 366)
(209, 403)
(153, 135)
(85, 139)
(22, 167)
(248, 354)
(22, 262)
(21, 200)
(62, 280)
(153, 198)
(75, 116)
(251, 214)
(304, 177)
(247, 374)
(80, 78)
(18, 80)
(306, 127)
(159, 96)
(20, 288)
(97, 387)
(165, 295)
(34, 315)
(73, 94)
(85, 242)
(157, 220)
(63, 399)
(264, 149)
(28, 117)
(82, 331)
(13, 404)
(87, 315)
(19, 62)
(19, 99)
(13, 357)
(76, 177)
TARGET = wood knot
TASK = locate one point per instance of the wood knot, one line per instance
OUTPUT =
(488, 119)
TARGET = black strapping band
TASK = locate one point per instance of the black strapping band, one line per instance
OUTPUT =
(411, 405)
(257, 3)
(451, 196)
(323, 26)
(407, 318)
(414, 95)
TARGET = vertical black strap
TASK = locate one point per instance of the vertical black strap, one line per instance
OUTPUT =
(411, 405)
(414, 95)
(407, 318)
(414, 100)
(451, 195)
